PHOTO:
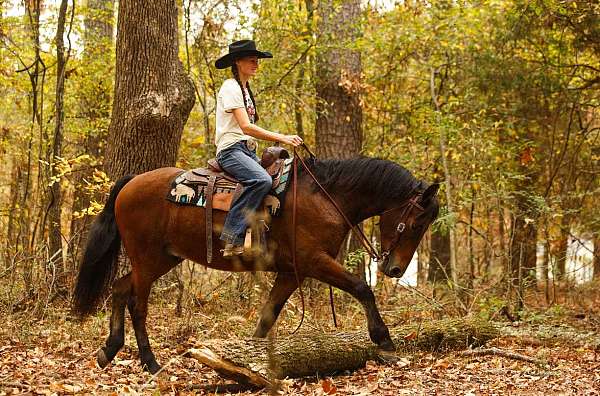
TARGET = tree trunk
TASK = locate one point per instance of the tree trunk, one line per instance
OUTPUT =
(259, 361)
(54, 193)
(10, 244)
(563, 245)
(339, 112)
(153, 95)
(97, 41)
(299, 107)
(439, 258)
(447, 176)
(596, 256)
(423, 254)
(523, 249)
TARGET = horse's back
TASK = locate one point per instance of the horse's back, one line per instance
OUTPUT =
(141, 208)
(152, 226)
(146, 189)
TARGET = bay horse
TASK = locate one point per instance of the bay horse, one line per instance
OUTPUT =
(157, 235)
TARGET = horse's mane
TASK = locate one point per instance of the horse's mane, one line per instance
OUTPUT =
(365, 175)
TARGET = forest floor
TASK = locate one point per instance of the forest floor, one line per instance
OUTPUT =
(53, 353)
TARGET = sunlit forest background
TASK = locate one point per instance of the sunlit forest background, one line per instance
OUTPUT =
(497, 100)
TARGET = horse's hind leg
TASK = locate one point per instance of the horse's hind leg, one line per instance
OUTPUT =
(120, 294)
(138, 309)
(284, 286)
(145, 270)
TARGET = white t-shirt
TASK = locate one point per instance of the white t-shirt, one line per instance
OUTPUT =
(228, 129)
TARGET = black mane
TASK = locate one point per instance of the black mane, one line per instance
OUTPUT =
(365, 175)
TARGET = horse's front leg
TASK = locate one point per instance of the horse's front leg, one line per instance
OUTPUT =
(285, 285)
(328, 270)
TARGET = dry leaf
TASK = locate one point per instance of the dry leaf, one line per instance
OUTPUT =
(442, 364)
(328, 387)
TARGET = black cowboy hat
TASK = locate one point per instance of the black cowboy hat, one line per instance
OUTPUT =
(238, 50)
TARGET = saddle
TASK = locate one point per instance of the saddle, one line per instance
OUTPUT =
(220, 189)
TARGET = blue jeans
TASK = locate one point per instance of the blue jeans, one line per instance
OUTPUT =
(242, 164)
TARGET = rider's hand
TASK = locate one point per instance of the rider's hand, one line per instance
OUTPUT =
(292, 140)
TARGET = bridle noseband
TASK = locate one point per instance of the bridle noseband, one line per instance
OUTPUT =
(407, 207)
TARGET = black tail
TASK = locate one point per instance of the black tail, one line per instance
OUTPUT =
(100, 259)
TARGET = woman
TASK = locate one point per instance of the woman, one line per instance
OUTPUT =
(236, 148)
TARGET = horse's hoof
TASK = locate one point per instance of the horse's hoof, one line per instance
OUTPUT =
(388, 357)
(152, 367)
(387, 345)
(102, 359)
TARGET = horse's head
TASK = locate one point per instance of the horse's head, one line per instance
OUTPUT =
(403, 227)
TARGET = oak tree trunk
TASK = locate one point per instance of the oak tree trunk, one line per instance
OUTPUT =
(153, 95)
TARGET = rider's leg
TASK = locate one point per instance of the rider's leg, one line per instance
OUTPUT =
(241, 163)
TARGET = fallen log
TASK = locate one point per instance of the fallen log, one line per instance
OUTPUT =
(258, 362)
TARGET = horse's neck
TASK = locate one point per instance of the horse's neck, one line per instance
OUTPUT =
(359, 208)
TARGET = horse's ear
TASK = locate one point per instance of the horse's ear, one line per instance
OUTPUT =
(430, 192)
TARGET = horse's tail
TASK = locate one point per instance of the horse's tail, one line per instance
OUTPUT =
(100, 258)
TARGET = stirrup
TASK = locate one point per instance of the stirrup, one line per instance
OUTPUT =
(231, 250)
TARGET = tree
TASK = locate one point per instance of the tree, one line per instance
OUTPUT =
(439, 258)
(339, 111)
(596, 259)
(153, 94)
(54, 192)
(94, 107)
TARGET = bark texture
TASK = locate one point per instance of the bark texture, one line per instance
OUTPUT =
(153, 94)
(339, 112)
(308, 354)
(439, 258)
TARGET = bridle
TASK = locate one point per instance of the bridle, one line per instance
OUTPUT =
(407, 208)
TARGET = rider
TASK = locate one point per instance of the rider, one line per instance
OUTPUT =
(236, 149)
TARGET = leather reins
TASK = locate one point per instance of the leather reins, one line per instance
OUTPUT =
(358, 232)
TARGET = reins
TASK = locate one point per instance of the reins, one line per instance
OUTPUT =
(358, 232)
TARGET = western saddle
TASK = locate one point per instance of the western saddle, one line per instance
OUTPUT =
(221, 189)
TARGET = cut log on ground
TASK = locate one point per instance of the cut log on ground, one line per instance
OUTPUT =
(260, 361)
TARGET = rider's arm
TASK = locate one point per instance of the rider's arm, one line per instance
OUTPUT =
(241, 116)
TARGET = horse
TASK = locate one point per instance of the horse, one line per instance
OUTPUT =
(158, 235)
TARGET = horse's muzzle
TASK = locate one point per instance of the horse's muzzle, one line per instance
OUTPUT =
(390, 268)
(395, 272)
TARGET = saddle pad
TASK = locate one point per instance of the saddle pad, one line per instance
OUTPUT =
(184, 192)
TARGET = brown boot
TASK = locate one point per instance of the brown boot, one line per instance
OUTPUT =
(232, 250)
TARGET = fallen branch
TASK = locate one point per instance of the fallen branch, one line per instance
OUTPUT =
(502, 353)
(261, 361)
(552, 335)
(242, 375)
